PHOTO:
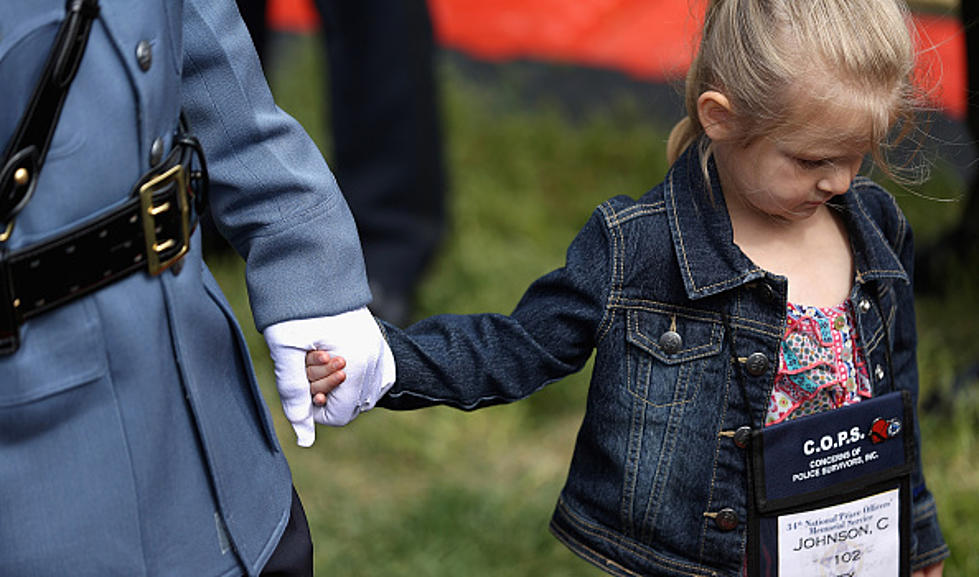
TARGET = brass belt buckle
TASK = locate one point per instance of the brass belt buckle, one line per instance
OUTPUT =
(7, 231)
(175, 176)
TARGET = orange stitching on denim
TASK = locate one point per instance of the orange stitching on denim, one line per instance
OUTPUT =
(873, 225)
(924, 511)
(863, 182)
(679, 233)
(600, 533)
(587, 553)
(613, 225)
(649, 345)
(669, 308)
(713, 477)
(927, 558)
(633, 328)
(636, 211)
(686, 263)
(630, 475)
(717, 441)
(615, 281)
(664, 462)
(756, 327)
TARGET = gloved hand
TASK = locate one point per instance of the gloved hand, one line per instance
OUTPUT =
(369, 368)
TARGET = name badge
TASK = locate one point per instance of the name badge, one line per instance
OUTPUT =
(831, 493)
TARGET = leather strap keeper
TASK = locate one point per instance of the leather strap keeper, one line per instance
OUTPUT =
(151, 232)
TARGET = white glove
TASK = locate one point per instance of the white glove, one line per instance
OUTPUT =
(354, 336)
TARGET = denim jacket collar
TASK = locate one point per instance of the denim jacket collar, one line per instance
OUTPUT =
(703, 239)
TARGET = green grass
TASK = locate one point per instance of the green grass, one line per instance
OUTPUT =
(441, 492)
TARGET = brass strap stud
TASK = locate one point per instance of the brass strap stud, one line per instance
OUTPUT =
(21, 176)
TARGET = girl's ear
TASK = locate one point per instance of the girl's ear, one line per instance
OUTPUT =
(715, 115)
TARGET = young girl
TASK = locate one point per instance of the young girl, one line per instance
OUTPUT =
(752, 319)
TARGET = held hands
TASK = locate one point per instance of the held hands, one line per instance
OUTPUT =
(325, 373)
(366, 369)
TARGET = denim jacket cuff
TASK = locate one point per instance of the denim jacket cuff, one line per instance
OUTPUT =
(928, 545)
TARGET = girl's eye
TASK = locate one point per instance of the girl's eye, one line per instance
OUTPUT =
(809, 163)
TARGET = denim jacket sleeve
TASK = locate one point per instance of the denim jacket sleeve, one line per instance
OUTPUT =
(928, 543)
(473, 361)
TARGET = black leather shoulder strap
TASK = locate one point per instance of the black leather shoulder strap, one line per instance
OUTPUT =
(29, 145)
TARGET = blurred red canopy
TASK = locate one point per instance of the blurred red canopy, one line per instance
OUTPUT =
(652, 40)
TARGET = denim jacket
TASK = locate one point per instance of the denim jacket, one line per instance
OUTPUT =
(656, 459)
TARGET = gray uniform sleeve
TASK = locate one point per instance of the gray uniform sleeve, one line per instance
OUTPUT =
(272, 195)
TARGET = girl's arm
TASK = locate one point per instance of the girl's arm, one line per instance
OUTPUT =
(930, 548)
(473, 361)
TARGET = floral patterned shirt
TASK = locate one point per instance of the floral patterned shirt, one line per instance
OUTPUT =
(821, 365)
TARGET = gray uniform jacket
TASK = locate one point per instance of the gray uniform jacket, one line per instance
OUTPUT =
(133, 437)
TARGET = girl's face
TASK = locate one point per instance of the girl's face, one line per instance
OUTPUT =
(789, 175)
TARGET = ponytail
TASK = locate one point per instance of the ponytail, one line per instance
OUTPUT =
(681, 137)
(689, 129)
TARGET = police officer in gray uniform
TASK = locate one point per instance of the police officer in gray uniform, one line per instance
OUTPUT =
(133, 436)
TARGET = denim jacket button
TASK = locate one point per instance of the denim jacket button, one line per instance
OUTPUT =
(757, 364)
(671, 342)
(765, 289)
(742, 436)
(770, 293)
(726, 519)
(864, 305)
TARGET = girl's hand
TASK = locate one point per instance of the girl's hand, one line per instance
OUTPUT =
(930, 571)
(325, 373)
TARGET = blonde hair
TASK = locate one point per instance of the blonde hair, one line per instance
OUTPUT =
(763, 54)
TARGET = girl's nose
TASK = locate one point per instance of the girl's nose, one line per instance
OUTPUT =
(836, 180)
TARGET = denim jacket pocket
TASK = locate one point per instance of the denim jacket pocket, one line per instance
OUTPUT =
(668, 348)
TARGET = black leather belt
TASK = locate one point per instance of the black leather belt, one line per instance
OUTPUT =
(150, 232)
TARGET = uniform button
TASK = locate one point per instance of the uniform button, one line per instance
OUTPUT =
(757, 364)
(864, 305)
(671, 342)
(726, 519)
(156, 152)
(742, 436)
(144, 55)
(879, 372)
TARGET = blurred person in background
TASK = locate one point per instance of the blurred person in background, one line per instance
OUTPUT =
(387, 145)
